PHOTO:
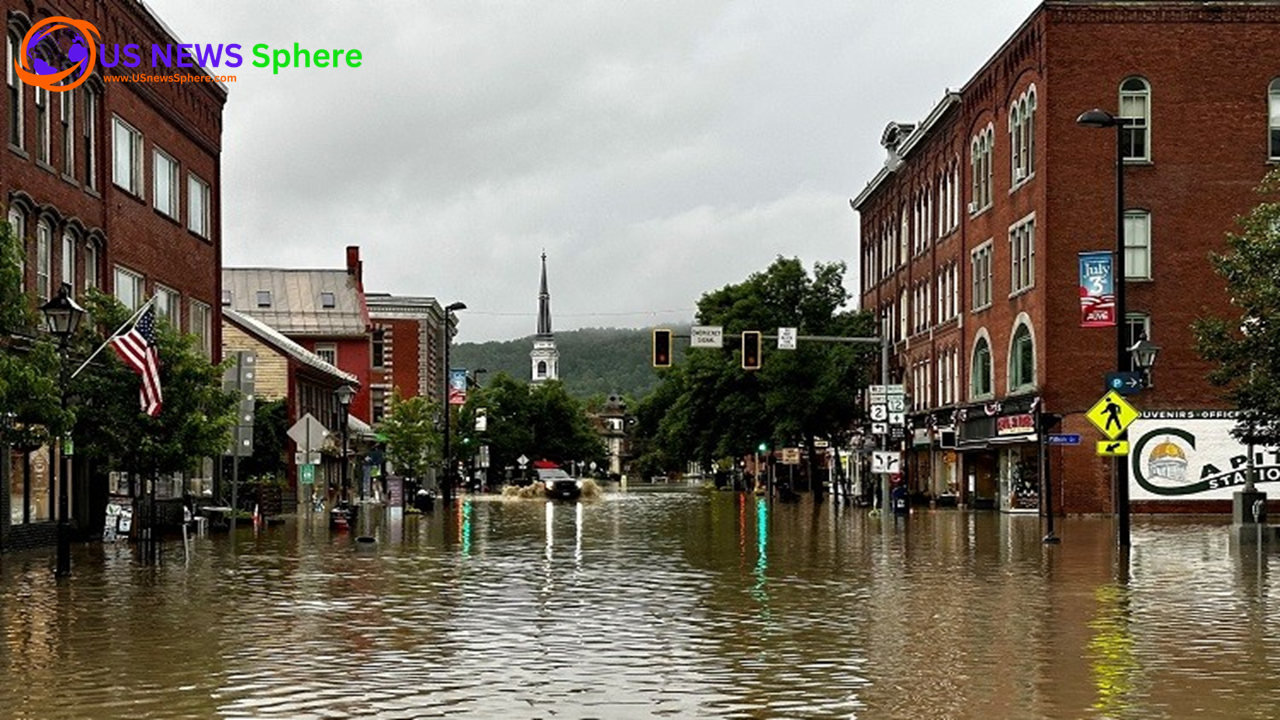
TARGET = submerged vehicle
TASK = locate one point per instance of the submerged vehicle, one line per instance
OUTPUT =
(559, 484)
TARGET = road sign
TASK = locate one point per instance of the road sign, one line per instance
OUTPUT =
(879, 428)
(879, 412)
(309, 433)
(307, 474)
(1060, 439)
(1112, 414)
(306, 458)
(821, 443)
(886, 461)
(1113, 448)
(482, 460)
(790, 456)
(786, 338)
(897, 418)
(877, 393)
(1125, 383)
(897, 403)
(706, 336)
(523, 460)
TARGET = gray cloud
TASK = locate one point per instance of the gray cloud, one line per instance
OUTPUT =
(656, 149)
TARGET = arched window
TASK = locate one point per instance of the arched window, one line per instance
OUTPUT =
(1029, 129)
(15, 91)
(44, 258)
(542, 368)
(980, 384)
(1015, 143)
(1273, 102)
(17, 226)
(1022, 359)
(1135, 111)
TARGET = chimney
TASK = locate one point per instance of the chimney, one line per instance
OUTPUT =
(355, 268)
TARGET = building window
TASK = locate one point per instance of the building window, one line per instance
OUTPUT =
(1135, 113)
(378, 406)
(542, 368)
(165, 170)
(15, 93)
(1022, 137)
(328, 300)
(129, 288)
(91, 265)
(1022, 251)
(983, 171)
(327, 352)
(197, 206)
(264, 298)
(379, 349)
(1022, 359)
(1137, 244)
(226, 298)
(44, 259)
(1273, 104)
(127, 157)
(68, 259)
(90, 138)
(42, 125)
(1137, 327)
(17, 226)
(981, 269)
(169, 305)
(980, 378)
(202, 326)
(67, 113)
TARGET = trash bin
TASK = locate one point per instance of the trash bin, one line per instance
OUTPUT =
(898, 498)
(424, 500)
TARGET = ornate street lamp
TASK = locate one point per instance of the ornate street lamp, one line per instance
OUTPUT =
(344, 395)
(62, 316)
(446, 489)
(1144, 354)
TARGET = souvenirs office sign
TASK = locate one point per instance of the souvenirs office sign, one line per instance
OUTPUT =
(1191, 455)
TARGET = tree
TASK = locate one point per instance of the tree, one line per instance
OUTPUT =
(413, 441)
(539, 422)
(270, 439)
(1246, 348)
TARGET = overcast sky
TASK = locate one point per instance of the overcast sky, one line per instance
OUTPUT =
(656, 149)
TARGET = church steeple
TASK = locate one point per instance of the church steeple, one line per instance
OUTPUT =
(544, 359)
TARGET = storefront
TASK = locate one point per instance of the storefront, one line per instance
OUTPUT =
(1002, 455)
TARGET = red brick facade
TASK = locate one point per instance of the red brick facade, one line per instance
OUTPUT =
(1207, 69)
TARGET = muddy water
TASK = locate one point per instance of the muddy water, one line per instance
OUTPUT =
(651, 605)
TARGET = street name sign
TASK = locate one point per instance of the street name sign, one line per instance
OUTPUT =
(1062, 439)
(786, 338)
(706, 336)
(1112, 414)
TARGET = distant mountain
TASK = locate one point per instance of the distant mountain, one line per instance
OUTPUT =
(592, 361)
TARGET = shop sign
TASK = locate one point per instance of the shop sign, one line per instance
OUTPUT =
(1193, 459)
(1020, 424)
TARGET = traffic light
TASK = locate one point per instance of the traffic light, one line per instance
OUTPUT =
(751, 350)
(661, 348)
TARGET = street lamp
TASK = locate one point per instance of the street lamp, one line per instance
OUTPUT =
(62, 316)
(344, 395)
(446, 491)
(1144, 354)
(1101, 119)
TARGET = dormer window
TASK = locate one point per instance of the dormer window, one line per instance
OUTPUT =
(328, 300)
(264, 298)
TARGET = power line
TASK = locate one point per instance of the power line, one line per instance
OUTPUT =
(581, 315)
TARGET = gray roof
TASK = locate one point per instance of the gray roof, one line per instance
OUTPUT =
(295, 302)
(276, 339)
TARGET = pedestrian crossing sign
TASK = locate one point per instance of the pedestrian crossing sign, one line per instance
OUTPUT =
(1112, 414)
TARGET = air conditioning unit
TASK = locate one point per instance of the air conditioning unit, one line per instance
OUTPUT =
(947, 439)
(1019, 175)
(973, 207)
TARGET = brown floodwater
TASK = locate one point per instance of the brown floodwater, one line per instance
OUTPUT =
(678, 604)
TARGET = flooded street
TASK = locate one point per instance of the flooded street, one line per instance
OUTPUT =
(652, 604)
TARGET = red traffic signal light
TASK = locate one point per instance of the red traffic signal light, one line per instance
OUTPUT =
(751, 350)
(662, 348)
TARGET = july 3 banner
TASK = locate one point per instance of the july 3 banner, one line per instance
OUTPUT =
(457, 387)
(1097, 290)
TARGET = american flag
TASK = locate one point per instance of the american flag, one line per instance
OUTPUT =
(137, 348)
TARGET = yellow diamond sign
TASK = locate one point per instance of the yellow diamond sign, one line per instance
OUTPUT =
(1112, 414)
(1113, 448)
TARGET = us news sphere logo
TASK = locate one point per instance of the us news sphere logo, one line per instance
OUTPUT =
(58, 54)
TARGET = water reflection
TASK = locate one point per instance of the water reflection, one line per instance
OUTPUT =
(679, 604)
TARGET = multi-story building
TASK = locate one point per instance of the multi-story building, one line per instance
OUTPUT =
(112, 185)
(971, 235)
(322, 310)
(407, 350)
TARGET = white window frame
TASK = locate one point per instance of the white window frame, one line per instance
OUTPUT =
(201, 325)
(17, 226)
(1014, 363)
(975, 393)
(136, 284)
(1273, 122)
(980, 268)
(198, 201)
(67, 118)
(91, 105)
(1022, 255)
(44, 260)
(328, 352)
(1137, 244)
(44, 143)
(1142, 323)
(67, 259)
(16, 100)
(92, 264)
(126, 162)
(169, 305)
(166, 203)
(1136, 123)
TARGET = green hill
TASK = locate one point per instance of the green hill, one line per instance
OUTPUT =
(592, 361)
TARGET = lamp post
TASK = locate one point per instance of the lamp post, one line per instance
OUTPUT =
(1101, 119)
(446, 489)
(344, 395)
(62, 316)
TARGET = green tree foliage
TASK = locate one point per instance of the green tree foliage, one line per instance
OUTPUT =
(1246, 347)
(413, 440)
(710, 408)
(270, 439)
(539, 422)
(197, 416)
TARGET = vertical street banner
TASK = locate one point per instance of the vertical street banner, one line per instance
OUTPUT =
(1097, 290)
(457, 386)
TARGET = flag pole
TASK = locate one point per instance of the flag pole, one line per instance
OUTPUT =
(114, 335)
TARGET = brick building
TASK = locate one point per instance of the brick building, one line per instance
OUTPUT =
(114, 185)
(970, 235)
(407, 351)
